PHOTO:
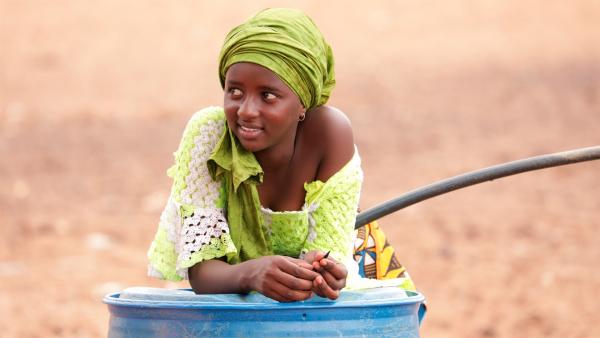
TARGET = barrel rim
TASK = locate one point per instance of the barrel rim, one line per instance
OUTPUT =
(112, 299)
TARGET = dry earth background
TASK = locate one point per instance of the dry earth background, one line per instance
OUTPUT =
(94, 96)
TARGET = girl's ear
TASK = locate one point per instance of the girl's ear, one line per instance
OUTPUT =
(302, 115)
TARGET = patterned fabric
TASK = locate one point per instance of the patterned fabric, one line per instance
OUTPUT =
(376, 257)
(195, 198)
(287, 231)
(193, 226)
(377, 261)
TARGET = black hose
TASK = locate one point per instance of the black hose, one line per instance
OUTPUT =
(475, 177)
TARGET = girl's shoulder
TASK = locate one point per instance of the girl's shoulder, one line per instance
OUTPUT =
(328, 131)
(201, 134)
(207, 116)
(206, 124)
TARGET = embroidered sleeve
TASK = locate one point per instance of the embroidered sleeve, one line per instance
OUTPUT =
(332, 210)
(192, 227)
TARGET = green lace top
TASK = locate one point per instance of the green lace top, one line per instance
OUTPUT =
(193, 226)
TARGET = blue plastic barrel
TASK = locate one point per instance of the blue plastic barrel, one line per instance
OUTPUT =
(151, 312)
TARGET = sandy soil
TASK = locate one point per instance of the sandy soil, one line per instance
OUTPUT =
(94, 96)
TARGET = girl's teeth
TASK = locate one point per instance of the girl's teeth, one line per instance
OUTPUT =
(249, 129)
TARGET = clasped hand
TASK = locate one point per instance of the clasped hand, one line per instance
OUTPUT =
(288, 279)
(332, 274)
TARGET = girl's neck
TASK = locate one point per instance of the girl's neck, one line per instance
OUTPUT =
(278, 157)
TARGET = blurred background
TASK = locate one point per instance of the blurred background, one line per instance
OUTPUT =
(94, 97)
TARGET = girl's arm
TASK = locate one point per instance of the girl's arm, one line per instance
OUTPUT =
(284, 279)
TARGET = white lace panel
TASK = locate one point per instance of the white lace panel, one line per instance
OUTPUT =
(170, 219)
(197, 231)
(193, 190)
(200, 189)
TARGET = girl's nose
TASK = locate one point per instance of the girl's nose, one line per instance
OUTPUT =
(248, 109)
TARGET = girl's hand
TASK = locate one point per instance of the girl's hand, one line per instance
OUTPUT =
(332, 274)
(282, 278)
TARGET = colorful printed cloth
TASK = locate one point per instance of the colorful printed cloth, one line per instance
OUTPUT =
(376, 257)
(377, 260)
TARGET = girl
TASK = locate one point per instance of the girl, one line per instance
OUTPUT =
(265, 189)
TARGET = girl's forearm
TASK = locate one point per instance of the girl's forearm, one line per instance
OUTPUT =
(215, 276)
(281, 278)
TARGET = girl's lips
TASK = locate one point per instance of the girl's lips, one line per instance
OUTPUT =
(249, 132)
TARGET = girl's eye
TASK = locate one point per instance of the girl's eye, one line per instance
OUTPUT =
(235, 92)
(269, 96)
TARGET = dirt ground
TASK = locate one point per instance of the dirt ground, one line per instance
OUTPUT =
(94, 96)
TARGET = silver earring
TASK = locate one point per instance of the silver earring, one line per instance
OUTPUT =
(302, 117)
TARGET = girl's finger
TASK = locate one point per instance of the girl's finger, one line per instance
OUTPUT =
(338, 270)
(334, 283)
(318, 255)
(292, 282)
(323, 289)
(299, 262)
(317, 287)
(298, 268)
(281, 293)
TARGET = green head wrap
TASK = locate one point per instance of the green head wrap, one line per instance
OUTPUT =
(287, 42)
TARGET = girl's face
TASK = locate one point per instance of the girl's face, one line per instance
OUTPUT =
(261, 110)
